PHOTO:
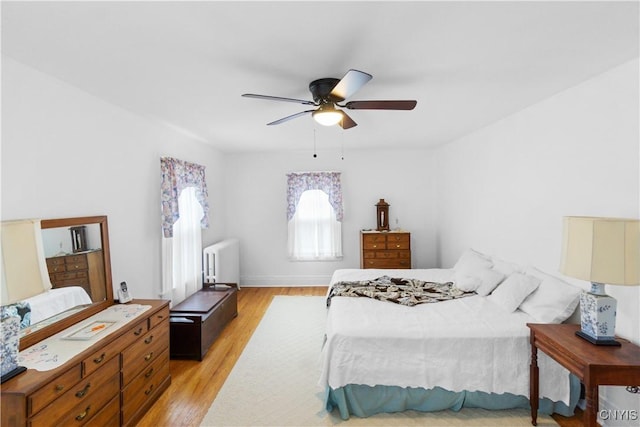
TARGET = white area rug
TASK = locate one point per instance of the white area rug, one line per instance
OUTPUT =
(274, 382)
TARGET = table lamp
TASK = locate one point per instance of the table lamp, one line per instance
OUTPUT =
(601, 251)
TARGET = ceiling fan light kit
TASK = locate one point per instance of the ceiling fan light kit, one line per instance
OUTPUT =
(328, 92)
(327, 115)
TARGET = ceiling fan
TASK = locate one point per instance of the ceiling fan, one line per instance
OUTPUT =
(328, 93)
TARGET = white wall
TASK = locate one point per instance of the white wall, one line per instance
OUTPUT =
(576, 153)
(256, 208)
(66, 153)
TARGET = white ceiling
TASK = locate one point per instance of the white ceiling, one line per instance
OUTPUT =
(186, 64)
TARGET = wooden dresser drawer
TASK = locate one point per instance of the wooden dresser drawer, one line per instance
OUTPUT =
(54, 389)
(100, 358)
(386, 254)
(72, 275)
(371, 239)
(141, 354)
(159, 317)
(398, 238)
(107, 416)
(398, 245)
(55, 262)
(133, 334)
(80, 265)
(387, 263)
(90, 394)
(75, 259)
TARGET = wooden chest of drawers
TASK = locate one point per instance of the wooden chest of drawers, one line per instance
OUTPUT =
(114, 382)
(85, 269)
(385, 249)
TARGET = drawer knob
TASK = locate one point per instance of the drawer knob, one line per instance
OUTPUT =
(148, 391)
(148, 356)
(84, 414)
(375, 246)
(84, 391)
(59, 387)
(138, 332)
(148, 373)
(99, 359)
(148, 340)
(397, 246)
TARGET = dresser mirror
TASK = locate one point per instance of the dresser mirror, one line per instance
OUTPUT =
(77, 257)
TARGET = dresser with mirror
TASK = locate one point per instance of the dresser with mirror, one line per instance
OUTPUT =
(89, 359)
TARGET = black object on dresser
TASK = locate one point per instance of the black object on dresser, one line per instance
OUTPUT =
(197, 321)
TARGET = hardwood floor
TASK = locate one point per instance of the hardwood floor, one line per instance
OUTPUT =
(194, 385)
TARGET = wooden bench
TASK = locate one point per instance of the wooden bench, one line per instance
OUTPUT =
(197, 321)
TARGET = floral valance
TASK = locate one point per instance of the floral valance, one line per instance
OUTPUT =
(176, 176)
(299, 182)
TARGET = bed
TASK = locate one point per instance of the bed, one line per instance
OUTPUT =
(380, 356)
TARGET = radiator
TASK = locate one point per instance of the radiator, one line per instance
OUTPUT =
(221, 262)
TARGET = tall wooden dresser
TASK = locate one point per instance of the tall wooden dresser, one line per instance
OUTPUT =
(381, 249)
(111, 383)
(84, 269)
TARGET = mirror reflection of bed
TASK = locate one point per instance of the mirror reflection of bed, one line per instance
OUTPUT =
(75, 273)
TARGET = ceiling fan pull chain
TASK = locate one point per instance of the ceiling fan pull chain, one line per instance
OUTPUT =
(314, 143)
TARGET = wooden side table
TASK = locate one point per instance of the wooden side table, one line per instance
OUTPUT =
(593, 365)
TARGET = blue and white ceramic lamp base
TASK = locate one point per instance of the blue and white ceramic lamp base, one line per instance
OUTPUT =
(598, 316)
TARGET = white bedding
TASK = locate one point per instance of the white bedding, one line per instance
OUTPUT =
(55, 301)
(464, 344)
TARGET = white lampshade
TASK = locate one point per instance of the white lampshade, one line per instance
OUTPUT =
(23, 261)
(602, 250)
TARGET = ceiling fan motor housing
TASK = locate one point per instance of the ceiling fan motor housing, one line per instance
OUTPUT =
(321, 90)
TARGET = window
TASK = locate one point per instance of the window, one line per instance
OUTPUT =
(182, 257)
(315, 216)
(183, 195)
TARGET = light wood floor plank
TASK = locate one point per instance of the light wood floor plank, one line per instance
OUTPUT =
(194, 385)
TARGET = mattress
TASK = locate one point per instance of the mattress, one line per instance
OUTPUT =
(462, 345)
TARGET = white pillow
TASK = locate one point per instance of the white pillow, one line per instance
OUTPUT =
(471, 261)
(489, 279)
(554, 301)
(515, 288)
(506, 267)
(466, 283)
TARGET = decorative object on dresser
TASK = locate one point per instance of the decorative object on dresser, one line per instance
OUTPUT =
(110, 376)
(385, 249)
(197, 321)
(601, 250)
(382, 215)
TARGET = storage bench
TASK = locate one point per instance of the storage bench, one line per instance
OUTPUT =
(198, 320)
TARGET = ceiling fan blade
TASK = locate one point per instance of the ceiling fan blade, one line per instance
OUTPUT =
(349, 84)
(293, 116)
(346, 122)
(381, 105)
(278, 98)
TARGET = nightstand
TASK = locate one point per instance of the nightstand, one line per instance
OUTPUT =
(593, 365)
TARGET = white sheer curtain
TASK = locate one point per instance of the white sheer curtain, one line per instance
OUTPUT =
(182, 253)
(314, 231)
